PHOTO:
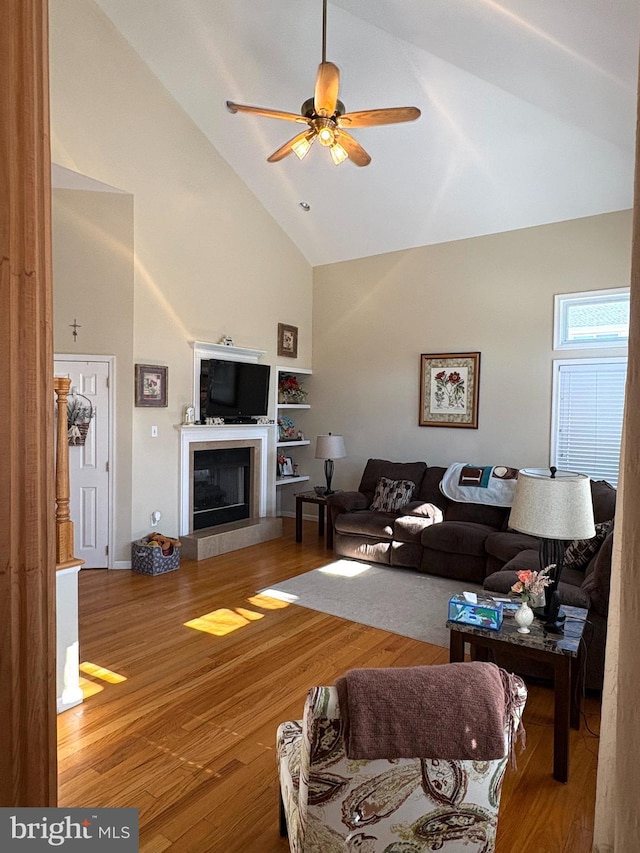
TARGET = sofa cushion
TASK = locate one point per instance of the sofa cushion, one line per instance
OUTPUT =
(429, 489)
(580, 552)
(392, 495)
(598, 577)
(603, 497)
(494, 516)
(376, 468)
(408, 528)
(424, 510)
(505, 545)
(457, 537)
(367, 523)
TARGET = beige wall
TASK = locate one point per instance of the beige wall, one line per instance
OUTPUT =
(93, 282)
(208, 259)
(372, 318)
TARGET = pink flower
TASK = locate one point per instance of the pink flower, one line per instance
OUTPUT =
(532, 583)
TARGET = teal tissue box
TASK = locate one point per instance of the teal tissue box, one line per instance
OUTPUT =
(487, 613)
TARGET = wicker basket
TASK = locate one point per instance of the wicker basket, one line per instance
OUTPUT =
(78, 438)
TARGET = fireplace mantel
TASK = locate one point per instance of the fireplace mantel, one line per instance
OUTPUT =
(250, 433)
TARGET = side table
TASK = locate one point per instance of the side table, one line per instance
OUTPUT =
(312, 498)
(563, 651)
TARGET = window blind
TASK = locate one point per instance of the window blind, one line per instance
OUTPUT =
(589, 409)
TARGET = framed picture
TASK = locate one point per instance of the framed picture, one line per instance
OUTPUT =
(151, 385)
(287, 467)
(449, 384)
(287, 340)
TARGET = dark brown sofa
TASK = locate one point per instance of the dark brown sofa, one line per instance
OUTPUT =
(467, 541)
(415, 537)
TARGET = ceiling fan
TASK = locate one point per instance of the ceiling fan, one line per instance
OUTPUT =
(326, 117)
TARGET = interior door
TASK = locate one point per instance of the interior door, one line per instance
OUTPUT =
(89, 464)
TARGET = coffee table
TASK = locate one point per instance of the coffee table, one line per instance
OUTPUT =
(562, 651)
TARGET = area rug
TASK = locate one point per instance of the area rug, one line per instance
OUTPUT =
(400, 601)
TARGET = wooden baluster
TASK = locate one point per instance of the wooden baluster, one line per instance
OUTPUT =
(64, 525)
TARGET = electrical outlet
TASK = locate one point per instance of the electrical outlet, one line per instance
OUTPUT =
(154, 432)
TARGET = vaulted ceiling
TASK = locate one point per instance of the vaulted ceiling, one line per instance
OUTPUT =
(528, 109)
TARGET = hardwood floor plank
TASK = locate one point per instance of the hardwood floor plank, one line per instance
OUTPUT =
(189, 736)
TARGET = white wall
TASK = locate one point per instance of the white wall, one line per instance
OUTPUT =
(208, 259)
(372, 318)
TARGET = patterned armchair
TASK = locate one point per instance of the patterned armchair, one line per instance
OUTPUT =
(331, 804)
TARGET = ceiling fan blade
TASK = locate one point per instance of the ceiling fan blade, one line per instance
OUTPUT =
(262, 111)
(371, 118)
(287, 148)
(325, 97)
(353, 148)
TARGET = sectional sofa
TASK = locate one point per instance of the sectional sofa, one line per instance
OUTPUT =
(470, 542)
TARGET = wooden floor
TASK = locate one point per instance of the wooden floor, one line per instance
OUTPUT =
(180, 722)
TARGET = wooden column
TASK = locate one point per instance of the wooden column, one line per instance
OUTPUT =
(28, 768)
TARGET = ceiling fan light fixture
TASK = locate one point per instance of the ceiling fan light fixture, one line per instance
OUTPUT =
(302, 147)
(326, 131)
(338, 153)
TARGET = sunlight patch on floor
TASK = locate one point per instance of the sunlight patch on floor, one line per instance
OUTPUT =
(285, 598)
(89, 688)
(223, 621)
(270, 600)
(101, 672)
(345, 568)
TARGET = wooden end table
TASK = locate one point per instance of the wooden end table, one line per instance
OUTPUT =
(562, 651)
(321, 501)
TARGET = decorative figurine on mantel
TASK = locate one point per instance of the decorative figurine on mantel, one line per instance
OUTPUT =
(189, 416)
(226, 341)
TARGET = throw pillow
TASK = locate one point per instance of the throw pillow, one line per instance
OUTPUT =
(580, 551)
(391, 495)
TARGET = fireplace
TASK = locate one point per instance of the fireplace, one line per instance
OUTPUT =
(221, 486)
(252, 489)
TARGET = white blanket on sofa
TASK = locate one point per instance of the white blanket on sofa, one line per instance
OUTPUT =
(480, 484)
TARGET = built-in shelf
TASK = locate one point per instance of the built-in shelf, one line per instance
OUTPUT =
(293, 406)
(281, 408)
(283, 481)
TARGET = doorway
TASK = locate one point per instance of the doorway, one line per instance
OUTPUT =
(90, 462)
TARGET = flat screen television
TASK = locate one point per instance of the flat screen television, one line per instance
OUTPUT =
(233, 389)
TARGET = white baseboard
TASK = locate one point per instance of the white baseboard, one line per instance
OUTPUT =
(121, 564)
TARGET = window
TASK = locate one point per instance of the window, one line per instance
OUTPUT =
(588, 404)
(597, 318)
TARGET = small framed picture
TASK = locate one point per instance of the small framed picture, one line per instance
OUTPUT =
(287, 340)
(287, 467)
(151, 385)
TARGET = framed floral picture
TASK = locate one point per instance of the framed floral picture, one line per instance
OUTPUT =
(287, 340)
(151, 385)
(449, 385)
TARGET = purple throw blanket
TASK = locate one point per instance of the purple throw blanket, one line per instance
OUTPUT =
(454, 711)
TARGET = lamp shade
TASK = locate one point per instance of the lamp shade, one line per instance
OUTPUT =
(330, 447)
(553, 507)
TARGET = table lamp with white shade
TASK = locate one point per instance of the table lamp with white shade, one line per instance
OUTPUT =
(556, 507)
(329, 447)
